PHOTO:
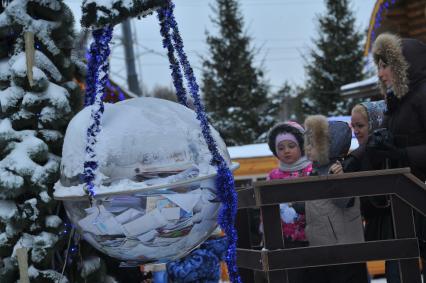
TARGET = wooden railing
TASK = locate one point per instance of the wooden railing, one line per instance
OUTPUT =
(406, 193)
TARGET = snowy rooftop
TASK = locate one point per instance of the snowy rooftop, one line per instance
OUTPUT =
(249, 151)
(367, 82)
(363, 89)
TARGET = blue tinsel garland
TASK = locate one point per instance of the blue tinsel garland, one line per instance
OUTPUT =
(174, 65)
(97, 77)
(201, 265)
(99, 52)
(225, 179)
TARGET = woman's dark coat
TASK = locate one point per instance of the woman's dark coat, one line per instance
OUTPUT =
(406, 103)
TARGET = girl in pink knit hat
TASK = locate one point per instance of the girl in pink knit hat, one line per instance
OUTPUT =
(286, 140)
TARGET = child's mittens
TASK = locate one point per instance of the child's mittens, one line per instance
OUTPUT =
(288, 214)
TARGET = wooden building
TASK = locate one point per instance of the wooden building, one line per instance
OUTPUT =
(406, 18)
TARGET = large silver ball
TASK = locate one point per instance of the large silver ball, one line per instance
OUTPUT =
(156, 195)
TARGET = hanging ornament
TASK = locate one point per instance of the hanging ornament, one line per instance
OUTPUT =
(155, 197)
(145, 180)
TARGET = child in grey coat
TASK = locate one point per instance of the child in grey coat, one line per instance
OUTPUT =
(331, 221)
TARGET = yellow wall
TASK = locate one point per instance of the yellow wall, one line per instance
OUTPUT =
(255, 166)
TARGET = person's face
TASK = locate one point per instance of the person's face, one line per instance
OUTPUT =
(360, 126)
(288, 152)
(385, 74)
(311, 152)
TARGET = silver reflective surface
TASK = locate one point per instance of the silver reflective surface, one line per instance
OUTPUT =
(155, 226)
(155, 189)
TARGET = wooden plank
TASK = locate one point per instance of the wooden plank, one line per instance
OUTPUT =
(417, 32)
(272, 231)
(272, 239)
(411, 14)
(402, 215)
(278, 276)
(406, 191)
(363, 174)
(249, 259)
(410, 271)
(415, 5)
(345, 185)
(242, 224)
(246, 275)
(328, 255)
(246, 198)
(413, 192)
(342, 254)
(417, 23)
(403, 223)
(327, 188)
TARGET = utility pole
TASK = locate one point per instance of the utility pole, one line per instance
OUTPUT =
(132, 76)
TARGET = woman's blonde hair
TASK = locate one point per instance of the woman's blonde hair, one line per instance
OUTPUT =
(360, 109)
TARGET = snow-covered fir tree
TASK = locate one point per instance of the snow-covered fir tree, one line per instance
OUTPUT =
(234, 91)
(336, 60)
(38, 97)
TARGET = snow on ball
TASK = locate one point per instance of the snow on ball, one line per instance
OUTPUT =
(155, 195)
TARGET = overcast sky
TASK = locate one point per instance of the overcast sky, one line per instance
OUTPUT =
(282, 31)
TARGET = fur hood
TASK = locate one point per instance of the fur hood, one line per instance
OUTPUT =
(406, 58)
(316, 133)
(332, 139)
(388, 48)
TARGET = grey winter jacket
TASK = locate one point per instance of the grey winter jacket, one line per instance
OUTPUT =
(332, 221)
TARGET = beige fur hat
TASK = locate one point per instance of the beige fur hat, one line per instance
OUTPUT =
(388, 48)
(317, 135)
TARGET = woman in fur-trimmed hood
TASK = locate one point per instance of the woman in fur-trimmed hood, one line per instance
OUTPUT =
(402, 73)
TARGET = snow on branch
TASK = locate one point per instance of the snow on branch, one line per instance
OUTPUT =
(98, 13)
(42, 29)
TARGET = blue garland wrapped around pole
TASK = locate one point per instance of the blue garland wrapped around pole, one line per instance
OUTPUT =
(96, 80)
(225, 179)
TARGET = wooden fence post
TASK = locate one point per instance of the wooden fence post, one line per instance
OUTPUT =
(403, 223)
